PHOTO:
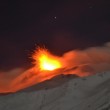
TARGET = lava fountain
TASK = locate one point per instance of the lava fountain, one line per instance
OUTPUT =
(45, 60)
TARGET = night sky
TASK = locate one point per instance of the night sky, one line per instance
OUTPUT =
(60, 25)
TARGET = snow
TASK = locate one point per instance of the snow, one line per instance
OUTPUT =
(62, 93)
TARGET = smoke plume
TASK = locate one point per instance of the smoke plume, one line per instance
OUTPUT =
(95, 59)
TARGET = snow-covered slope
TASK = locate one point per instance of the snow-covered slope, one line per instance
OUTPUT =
(63, 93)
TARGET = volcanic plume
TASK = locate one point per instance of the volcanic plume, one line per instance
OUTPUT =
(46, 65)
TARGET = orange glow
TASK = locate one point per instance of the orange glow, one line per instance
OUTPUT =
(46, 61)
(46, 67)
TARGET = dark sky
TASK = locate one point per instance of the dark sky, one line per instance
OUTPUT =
(60, 25)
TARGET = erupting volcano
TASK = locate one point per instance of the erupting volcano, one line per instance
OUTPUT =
(46, 66)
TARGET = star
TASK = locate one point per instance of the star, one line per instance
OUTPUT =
(55, 17)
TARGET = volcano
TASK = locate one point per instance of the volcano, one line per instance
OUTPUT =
(78, 80)
(46, 66)
(62, 93)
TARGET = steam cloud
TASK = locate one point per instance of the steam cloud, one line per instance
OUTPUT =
(80, 62)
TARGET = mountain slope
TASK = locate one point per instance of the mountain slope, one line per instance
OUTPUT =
(62, 93)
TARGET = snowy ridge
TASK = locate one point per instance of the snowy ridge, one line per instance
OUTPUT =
(63, 93)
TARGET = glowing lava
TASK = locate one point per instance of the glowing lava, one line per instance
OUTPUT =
(45, 60)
